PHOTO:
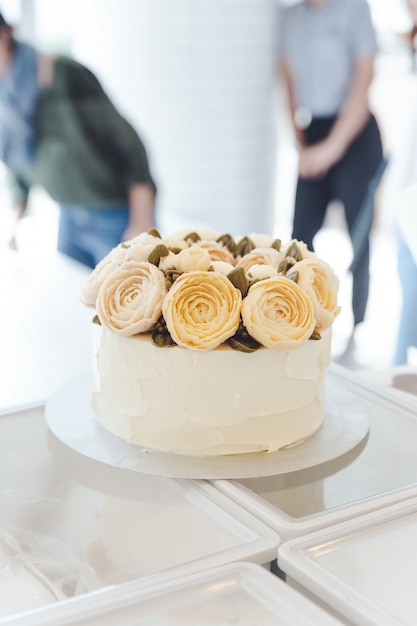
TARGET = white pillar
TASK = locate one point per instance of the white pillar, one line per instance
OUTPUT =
(197, 79)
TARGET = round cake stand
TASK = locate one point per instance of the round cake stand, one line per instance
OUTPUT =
(71, 419)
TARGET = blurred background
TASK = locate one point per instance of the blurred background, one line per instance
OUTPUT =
(198, 79)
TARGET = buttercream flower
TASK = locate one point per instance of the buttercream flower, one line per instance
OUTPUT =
(260, 240)
(168, 262)
(278, 313)
(217, 251)
(202, 310)
(193, 258)
(260, 272)
(111, 261)
(222, 267)
(303, 250)
(139, 248)
(260, 256)
(180, 239)
(130, 298)
(201, 231)
(321, 284)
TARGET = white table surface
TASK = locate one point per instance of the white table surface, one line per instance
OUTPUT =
(45, 335)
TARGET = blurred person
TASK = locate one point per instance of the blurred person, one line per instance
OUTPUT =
(59, 129)
(327, 53)
(401, 174)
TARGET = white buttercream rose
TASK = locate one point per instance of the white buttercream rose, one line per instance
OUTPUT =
(260, 272)
(260, 241)
(217, 251)
(168, 262)
(260, 256)
(321, 284)
(139, 248)
(278, 313)
(222, 267)
(111, 261)
(202, 310)
(130, 298)
(193, 258)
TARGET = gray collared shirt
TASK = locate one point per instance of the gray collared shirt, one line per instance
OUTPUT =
(321, 45)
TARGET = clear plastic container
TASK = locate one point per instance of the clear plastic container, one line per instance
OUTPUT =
(73, 525)
(380, 471)
(240, 594)
(364, 569)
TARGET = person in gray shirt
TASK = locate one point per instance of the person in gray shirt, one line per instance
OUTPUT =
(327, 50)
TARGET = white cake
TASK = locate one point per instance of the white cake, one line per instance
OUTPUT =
(189, 359)
(215, 402)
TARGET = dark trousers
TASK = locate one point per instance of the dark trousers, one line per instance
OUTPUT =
(349, 181)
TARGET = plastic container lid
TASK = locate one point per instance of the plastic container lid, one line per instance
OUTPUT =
(380, 471)
(365, 569)
(240, 594)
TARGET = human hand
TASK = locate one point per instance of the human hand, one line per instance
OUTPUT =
(316, 160)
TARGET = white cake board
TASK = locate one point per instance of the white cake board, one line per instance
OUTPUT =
(71, 419)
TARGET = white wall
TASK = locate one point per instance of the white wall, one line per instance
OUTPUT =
(197, 78)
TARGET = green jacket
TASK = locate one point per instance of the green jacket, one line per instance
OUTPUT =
(86, 152)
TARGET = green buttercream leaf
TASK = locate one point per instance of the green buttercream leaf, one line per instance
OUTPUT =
(160, 335)
(315, 336)
(242, 341)
(239, 280)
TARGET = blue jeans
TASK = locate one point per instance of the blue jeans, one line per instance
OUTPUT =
(87, 234)
(407, 328)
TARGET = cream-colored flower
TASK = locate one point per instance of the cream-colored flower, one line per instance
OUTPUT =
(193, 258)
(260, 272)
(259, 240)
(202, 232)
(178, 239)
(111, 261)
(321, 284)
(140, 247)
(278, 313)
(202, 310)
(217, 251)
(304, 251)
(260, 256)
(222, 267)
(168, 262)
(130, 298)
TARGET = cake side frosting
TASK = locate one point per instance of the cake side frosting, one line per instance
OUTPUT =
(207, 403)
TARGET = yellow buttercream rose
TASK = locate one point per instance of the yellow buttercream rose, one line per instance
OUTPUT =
(130, 298)
(321, 284)
(202, 310)
(278, 313)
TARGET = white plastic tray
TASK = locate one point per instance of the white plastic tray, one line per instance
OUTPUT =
(381, 471)
(241, 594)
(115, 524)
(365, 569)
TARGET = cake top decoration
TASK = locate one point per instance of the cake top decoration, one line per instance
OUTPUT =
(200, 289)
